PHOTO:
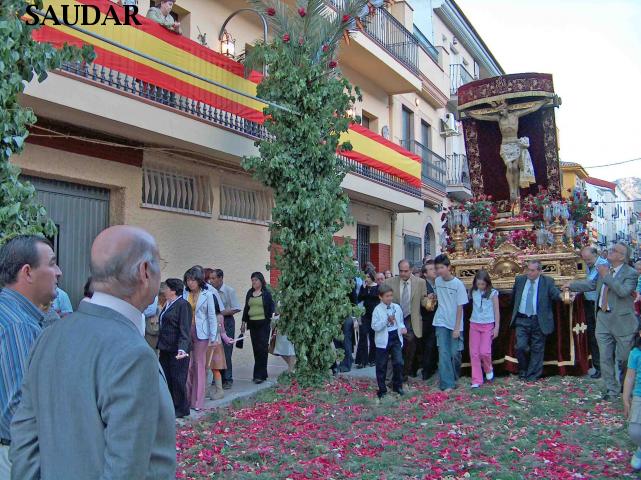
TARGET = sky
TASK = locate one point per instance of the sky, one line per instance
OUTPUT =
(593, 50)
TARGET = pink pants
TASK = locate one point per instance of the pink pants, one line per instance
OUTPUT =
(197, 377)
(481, 350)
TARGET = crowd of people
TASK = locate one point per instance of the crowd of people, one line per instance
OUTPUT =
(116, 399)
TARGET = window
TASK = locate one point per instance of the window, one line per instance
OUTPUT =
(429, 246)
(167, 189)
(407, 134)
(412, 250)
(245, 204)
(365, 121)
(426, 134)
(362, 245)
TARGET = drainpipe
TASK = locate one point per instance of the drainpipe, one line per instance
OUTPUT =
(391, 256)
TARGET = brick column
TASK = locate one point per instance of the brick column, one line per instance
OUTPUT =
(380, 256)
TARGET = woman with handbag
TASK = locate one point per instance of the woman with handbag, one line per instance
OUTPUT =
(257, 315)
(204, 330)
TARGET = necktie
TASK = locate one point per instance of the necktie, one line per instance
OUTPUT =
(405, 299)
(604, 303)
(529, 300)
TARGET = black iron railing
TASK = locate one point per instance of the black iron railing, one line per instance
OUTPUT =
(459, 76)
(433, 171)
(221, 118)
(381, 177)
(392, 35)
(458, 172)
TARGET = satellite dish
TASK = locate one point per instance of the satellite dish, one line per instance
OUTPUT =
(385, 132)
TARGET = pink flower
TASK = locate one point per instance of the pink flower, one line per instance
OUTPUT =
(325, 48)
(302, 12)
(332, 64)
(271, 11)
(301, 40)
(286, 38)
(346, 18)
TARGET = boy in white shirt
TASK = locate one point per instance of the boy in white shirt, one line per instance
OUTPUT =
(448, 322)
(387, 322)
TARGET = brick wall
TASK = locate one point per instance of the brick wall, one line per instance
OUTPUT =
(381, 256)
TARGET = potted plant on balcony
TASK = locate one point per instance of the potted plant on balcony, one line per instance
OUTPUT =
(298, 162)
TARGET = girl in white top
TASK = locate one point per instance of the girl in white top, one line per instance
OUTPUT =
(484, 327)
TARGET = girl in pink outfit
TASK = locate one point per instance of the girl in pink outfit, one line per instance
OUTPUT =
(484, 327)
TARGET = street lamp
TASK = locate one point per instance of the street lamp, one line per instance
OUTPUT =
(223, 32)
(227, 44)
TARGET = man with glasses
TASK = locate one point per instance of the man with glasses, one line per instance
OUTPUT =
(616, 324)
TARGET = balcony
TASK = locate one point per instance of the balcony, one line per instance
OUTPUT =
(458, 178)
(433, 170)
(459, 76)
(384, 45)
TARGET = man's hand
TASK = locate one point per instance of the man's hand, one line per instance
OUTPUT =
(626, 408)
(604, 270)
(456, 334)
(391, 320)
(566, 287)
(403, 331)
(638, 299)
(181, 354)
(243, 327)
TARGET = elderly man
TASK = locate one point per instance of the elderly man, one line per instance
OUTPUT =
(95, 402)
(380, 278)
(590, 256)
(409, 292)
(533, 297)
(28, 277)
(616, 324)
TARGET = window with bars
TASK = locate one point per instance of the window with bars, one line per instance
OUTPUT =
(362, 245)
(173, 191)
(245, 204)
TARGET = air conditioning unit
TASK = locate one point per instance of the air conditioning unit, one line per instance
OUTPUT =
(449, 126)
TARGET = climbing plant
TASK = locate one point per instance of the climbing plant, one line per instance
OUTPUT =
(21, 60)
(299, 163)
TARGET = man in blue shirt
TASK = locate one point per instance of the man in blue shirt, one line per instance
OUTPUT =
(590, 256)
(28, 277)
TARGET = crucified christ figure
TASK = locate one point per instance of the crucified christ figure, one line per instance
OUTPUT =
(514, 150)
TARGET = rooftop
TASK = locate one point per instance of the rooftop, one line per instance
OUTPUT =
(601, 183)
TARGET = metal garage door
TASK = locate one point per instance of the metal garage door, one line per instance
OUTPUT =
(80, 213)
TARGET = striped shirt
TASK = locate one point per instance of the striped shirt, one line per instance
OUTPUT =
(19, 328)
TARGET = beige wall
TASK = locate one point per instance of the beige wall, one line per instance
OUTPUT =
(184, 240)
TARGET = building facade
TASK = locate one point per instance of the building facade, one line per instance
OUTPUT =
(130, 140)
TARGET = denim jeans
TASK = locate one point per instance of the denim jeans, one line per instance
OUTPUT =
(449, 357)
(393, 350)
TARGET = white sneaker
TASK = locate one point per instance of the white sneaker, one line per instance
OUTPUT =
(475, 385)
(489, 376)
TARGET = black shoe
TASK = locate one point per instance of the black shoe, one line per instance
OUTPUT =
(413, 374)
(380, 395)
(258, 381)
(596, 374)
(371, 364)
(400, 391)
(227, 385)
(360, 366)
(343, 369)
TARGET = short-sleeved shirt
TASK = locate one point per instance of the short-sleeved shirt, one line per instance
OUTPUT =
(483, 308)
(634, 362)
(451, 295)
(61, 304)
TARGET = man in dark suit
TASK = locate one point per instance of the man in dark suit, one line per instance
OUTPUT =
(616, 324)
(95, 403)
(533, 297)
(430, 351)
(174, 343)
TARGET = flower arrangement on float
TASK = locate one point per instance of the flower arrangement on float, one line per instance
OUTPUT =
(546, 223)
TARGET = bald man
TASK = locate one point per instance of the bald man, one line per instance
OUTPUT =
(95, 402)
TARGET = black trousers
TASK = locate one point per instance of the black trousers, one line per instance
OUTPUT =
(393, 350)
(430, 350)
(530, 347)
(230, 330)
(176, 375)
(366, 349)
(259, 333)
(593, 346)
(410, 345)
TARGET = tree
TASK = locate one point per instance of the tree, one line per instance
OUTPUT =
(299, 163)
(22, 59)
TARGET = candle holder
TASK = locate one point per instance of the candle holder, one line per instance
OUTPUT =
(558, 231)
(459, 236)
